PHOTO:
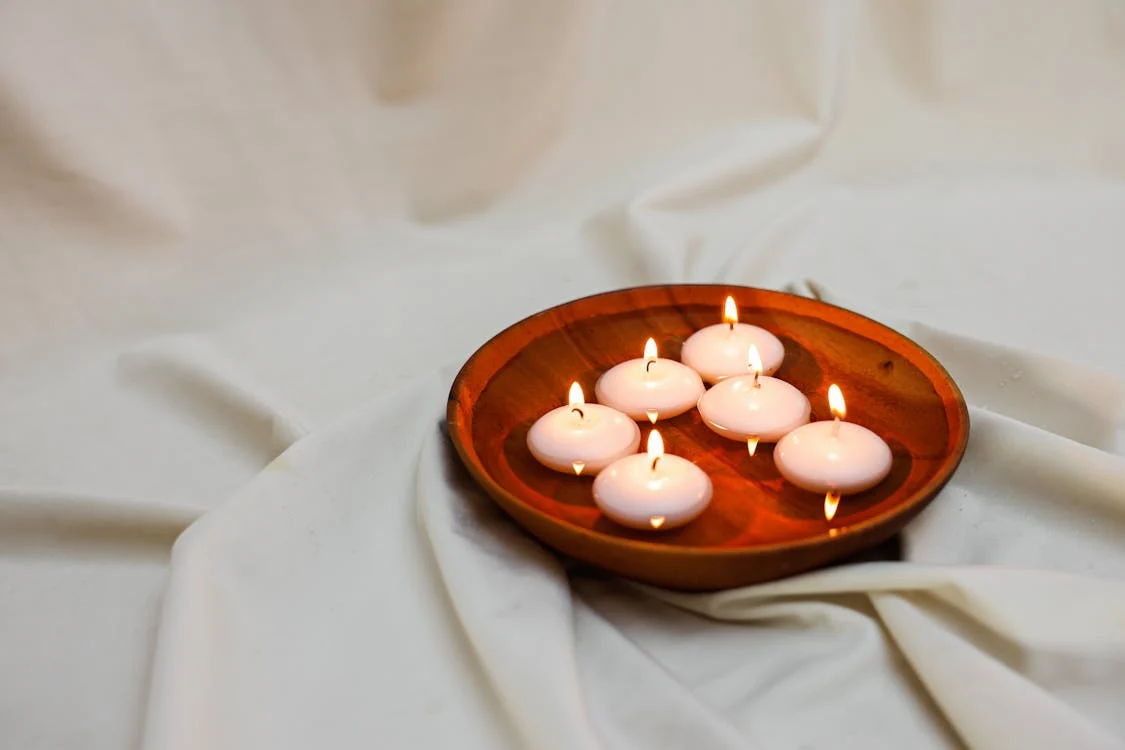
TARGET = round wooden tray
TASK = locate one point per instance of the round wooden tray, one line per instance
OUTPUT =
(758, 527)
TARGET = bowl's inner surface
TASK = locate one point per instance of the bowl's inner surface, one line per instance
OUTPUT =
(752, 504)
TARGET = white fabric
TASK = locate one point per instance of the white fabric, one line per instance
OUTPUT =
(245, 246)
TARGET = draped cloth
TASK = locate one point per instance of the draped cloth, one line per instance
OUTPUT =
(244, 248)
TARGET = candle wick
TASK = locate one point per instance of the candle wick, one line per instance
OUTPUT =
(581, 414)
(756, 383)
(654, 462)
(731, 323)
(648, 364)
(836, 428)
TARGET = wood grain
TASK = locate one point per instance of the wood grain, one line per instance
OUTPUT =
(758, 527)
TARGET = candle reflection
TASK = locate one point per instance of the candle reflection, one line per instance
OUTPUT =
(831, 503)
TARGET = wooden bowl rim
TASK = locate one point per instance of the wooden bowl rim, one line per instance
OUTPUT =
(960, 427)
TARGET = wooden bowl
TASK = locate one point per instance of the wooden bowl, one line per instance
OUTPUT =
(758, 527)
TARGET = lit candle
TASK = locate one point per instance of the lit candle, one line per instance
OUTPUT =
(833, 456)
(719, 351)
(582, 438)
(754, 408)
(652, 490)
(650, 388)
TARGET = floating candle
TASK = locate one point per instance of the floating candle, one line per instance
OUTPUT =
(719, 351)
(650, 388)
(652, 490)
(833, 456)
(582, 438)
(754, 408)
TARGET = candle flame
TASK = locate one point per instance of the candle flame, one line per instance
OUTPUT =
(578, 466)
(752, 445)
(831, 502)
(730, 311)
(652, 415)
(650, 350)
(836, 402)
(656, 521)
(655, 445)
(576, 396)
(754, 360)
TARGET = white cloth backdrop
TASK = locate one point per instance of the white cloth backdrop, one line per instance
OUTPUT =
(245, 246)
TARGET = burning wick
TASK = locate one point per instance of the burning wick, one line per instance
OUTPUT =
(838, 407)
(656, 521)
(730, 313)
(650, 354)
(578, 467)
(831, 502)
(752, 445)
(655, 447)
(652, 415)
(576, 399)
(754, 362)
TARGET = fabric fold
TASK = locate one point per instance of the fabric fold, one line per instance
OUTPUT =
(317, 575)
(505, 587)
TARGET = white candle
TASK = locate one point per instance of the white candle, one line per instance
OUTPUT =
(652, 490)
(719, 351)
(582, 437)
(754, 408)
(833, 456)
(650, 388)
